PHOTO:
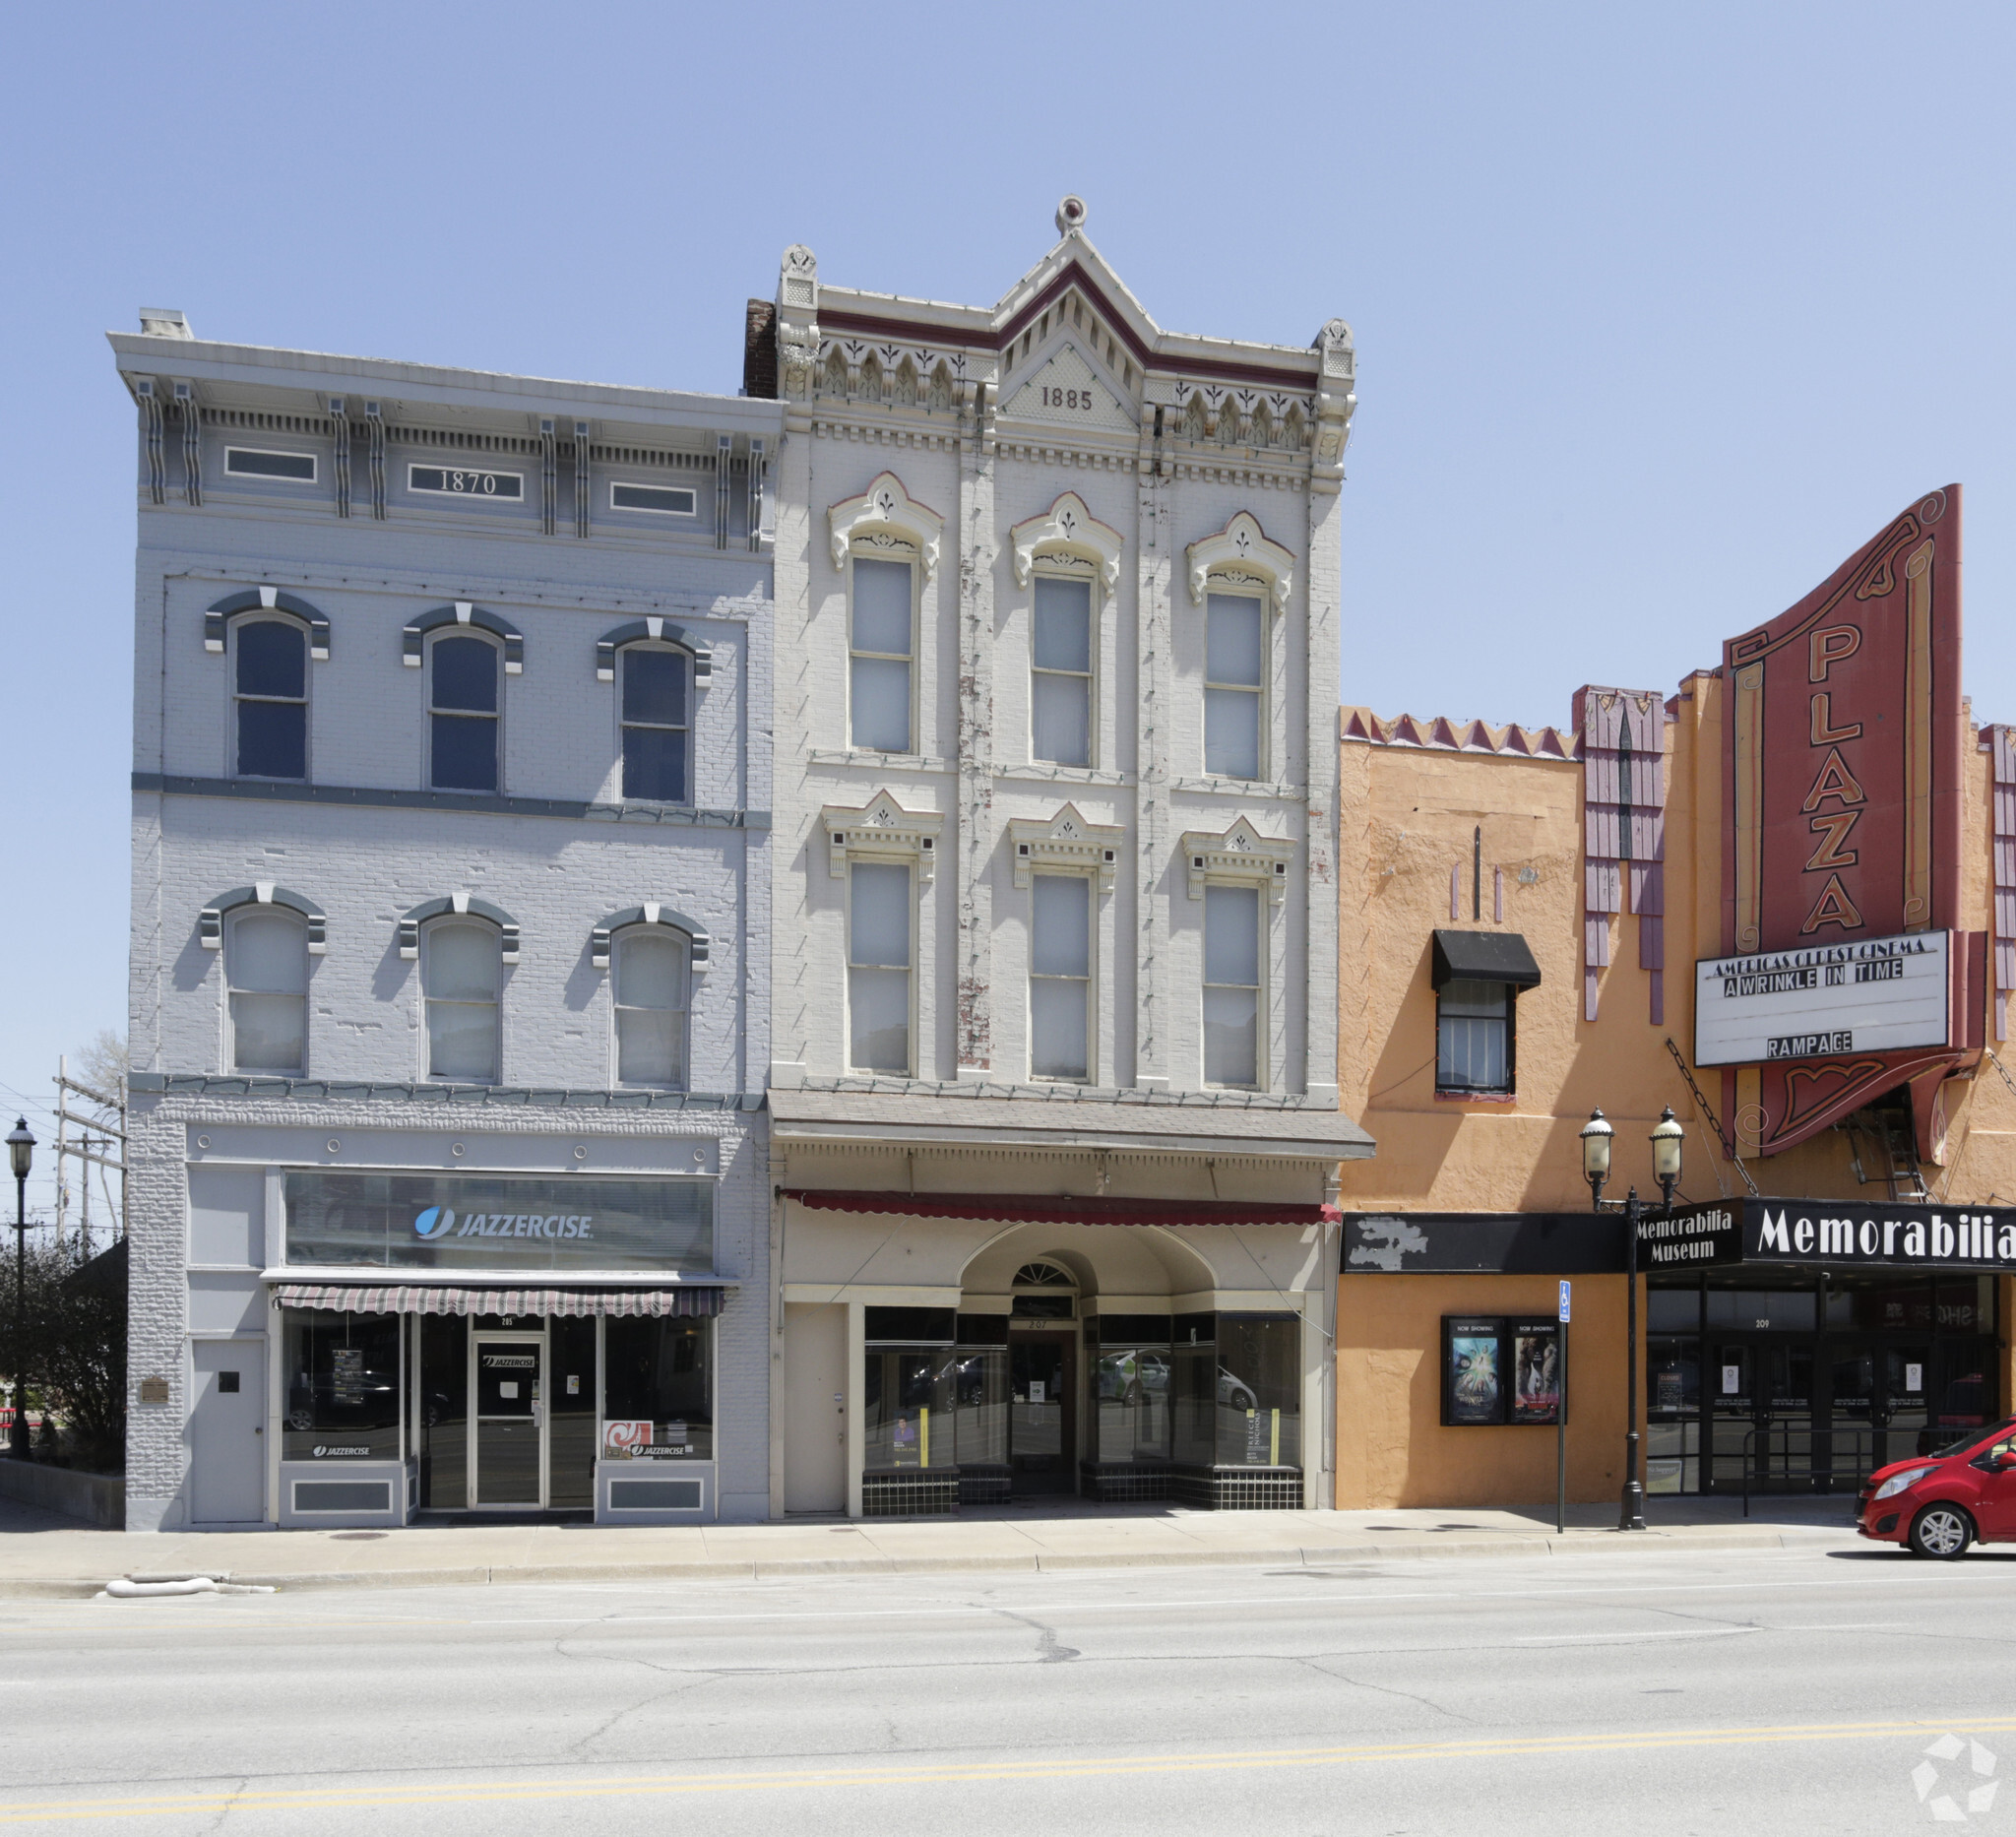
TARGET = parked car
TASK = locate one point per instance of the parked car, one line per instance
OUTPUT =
(1936, 1505)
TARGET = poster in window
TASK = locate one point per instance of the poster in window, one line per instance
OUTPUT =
(1472, 1378)
(346, 1375)
(1536, 1371)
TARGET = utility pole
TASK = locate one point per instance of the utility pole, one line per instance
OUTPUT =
(87, 1152)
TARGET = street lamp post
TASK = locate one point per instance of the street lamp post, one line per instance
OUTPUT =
(1667, 1135)
(21, 1149)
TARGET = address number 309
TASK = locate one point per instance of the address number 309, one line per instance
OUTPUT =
(1067, 398)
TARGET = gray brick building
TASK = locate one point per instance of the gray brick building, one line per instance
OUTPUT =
(450, 965)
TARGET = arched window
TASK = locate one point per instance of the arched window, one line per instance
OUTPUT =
(463, 714)
(650, 1008)
(266, 970)
(460, 976)
(269, 691)
(656, 724)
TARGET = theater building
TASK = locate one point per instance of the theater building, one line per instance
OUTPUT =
(1053, 1102)
(449, 996)
(1781, 902)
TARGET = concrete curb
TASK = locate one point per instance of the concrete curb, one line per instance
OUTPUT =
(1585, 1542)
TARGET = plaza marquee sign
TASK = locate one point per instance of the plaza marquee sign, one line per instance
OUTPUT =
(1882, 994)
(1830, 1233)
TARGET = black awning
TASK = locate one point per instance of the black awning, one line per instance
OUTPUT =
(1484, 957)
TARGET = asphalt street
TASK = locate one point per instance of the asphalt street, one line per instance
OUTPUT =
(1789, 1692)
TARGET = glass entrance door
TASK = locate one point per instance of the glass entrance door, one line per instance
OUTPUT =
(1041, 1443)
(510, 1464)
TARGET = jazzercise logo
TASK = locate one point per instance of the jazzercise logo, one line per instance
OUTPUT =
(435, 1222)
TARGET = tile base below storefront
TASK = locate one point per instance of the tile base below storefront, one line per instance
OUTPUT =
(910, 1495)
(1237, 1489)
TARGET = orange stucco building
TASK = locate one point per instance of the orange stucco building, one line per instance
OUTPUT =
(1588, 869)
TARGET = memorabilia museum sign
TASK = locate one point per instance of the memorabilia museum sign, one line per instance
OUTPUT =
(1830, 1233)
(1875, 995)
(1843, 828)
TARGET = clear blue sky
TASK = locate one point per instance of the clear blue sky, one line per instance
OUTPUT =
(1660, 311)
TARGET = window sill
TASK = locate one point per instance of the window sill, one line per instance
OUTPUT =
(1476, 1097)
(899, 762)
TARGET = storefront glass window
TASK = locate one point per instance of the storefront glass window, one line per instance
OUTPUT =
(343, 1386)
(570, 1433)
(1132, 1395)
(908, 1408)
(443, 1439)
(1764, 1310)
(980, 1385)
(1672, 1310)
(659, 1395)
(1259, 1390)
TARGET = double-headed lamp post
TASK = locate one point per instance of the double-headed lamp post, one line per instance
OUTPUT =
(21, 1149)
(1667, 1135)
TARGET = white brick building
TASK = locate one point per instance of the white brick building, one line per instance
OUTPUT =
(450, 956)
(1053, 1093)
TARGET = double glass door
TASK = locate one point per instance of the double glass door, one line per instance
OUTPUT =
(508, 1383)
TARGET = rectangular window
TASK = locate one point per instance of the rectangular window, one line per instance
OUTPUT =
(462, 684)
(1259, 1390)
(1474, 1036)
(882, 640)
(1060, 977)
(907, 1404)
(878, 968)
(266, 964)
(1060, 672)
(664, 500)
(343, 1386)
(1231, 986)
(656, 725)
(1234, 649)
(658, 1389)
(269, 686)
(250, 462)
(456, 481)
(464, 963)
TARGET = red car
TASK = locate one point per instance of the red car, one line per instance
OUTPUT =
(1962, 1494)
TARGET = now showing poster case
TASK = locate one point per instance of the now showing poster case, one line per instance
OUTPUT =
(1499, 1371)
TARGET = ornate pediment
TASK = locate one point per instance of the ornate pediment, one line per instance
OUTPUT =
(1067, 527)
(1065, 843)
(1241, 852)
(886, 514)
(881, 830)
(1241, 556)
(1068, 391)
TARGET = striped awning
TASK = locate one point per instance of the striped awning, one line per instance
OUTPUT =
(439, 1299)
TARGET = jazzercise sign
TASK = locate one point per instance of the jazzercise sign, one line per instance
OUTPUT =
(400, 1220)
(1879, 994)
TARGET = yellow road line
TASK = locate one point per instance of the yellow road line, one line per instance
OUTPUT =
(1058, 1767)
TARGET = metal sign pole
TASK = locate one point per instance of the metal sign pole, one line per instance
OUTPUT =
(1561, 1422)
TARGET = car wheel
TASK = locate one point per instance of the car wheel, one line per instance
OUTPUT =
(1943, 1532)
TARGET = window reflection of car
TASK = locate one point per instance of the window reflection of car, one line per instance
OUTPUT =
(1129, 1378)
(366, 1402)
(1234, 1393)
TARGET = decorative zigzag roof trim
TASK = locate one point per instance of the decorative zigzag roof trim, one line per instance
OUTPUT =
(1442, 735)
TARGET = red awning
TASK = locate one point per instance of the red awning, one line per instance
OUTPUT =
(1065, 1207)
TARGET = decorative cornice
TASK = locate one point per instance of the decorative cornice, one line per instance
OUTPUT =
(881, 830)
(1241, 852)
(1065, 842)
(886, 509)
(1067, 527)
(1242, 553)
(1458, 736)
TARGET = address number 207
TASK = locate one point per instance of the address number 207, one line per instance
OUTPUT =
(1067, 398)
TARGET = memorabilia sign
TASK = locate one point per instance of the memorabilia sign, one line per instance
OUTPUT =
(1845, 794)
(418, 1220)
(1875, 995)
(1831, 1234)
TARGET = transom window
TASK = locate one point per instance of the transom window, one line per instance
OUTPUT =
(1231, 986)
(882, 644)
(1235, 647)
(270, 688)
(462, 709)
(1060, 977)
(650, 1008)
(878, 991)
(463, 969)
(656, 724)
(1060, 672)
(1474, 1036)
(266, 969)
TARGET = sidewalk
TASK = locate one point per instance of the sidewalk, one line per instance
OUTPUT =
(44, 1555)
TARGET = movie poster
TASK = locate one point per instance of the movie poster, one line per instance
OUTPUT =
(1536, 1371)
(1474, 1389)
